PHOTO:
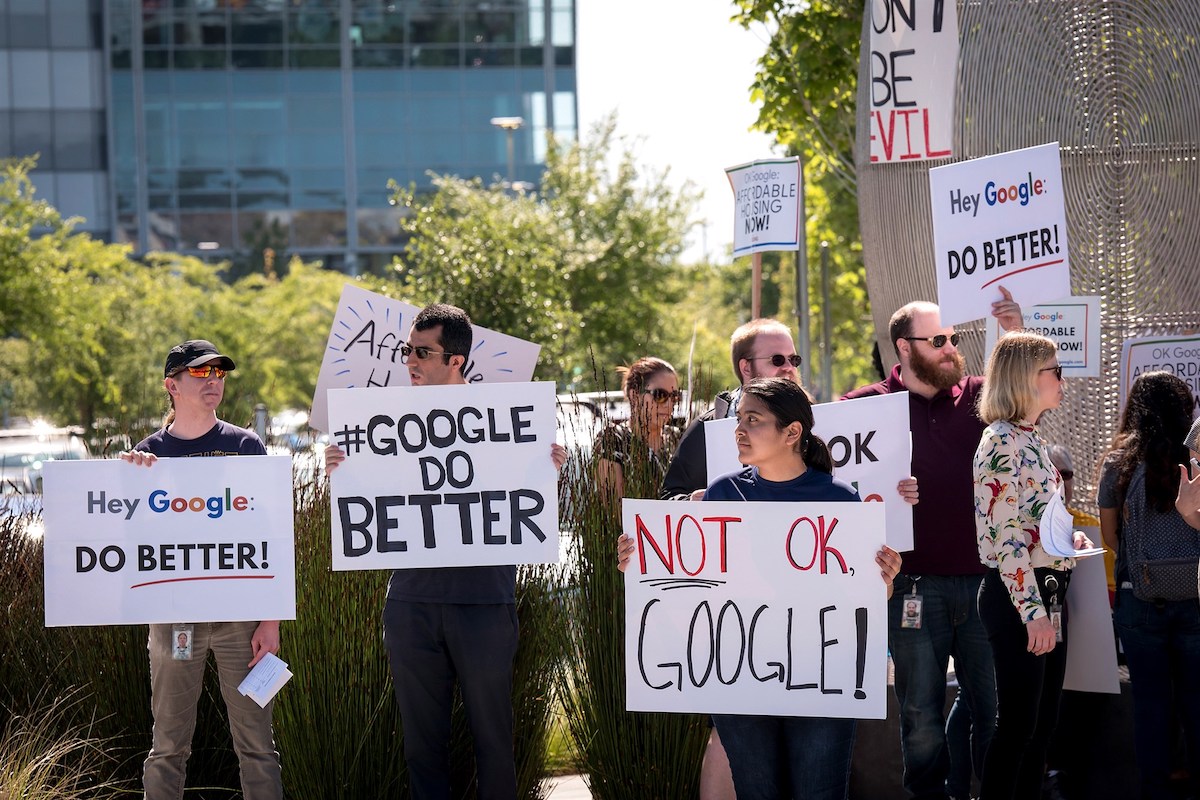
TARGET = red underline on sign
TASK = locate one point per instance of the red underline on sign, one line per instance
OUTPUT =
(1022, 269)
(208, 578)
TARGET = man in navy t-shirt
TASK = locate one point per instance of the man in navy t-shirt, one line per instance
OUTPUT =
(194, 377)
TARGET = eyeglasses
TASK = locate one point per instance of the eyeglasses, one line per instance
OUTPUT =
(1067, 474)
(778, 360)
(1056, 369)
(205, 371)
(936, 342)
(661, 396)
(421, 353)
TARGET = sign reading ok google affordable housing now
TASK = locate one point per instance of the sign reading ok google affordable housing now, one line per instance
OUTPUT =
(999, 220)
(186, 540)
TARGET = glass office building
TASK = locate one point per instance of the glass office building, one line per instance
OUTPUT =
(222, 127)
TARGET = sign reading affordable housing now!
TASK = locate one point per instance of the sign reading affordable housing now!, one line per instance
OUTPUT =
(364, 350)
(755, 608)
(1073, 324)
(766, 205)
(871, 448)
(186, 540)
(444, 476)
(913, 68)
(999, 221)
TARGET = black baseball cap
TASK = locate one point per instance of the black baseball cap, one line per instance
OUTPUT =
(193, 353)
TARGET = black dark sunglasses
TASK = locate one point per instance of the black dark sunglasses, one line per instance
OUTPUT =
(1067, 474)
(936, 342)
(779, 359)
(661, 396)
(1056, 369)
(421, 353)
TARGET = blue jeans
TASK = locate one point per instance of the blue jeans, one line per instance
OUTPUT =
(1162, 648)
(950, 626)
(774, 758)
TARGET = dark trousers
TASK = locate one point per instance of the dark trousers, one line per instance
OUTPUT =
(1162, 647)
(429, 645)
(1028, 689)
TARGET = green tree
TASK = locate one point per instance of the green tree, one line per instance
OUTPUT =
(806, 86)
(583, 265)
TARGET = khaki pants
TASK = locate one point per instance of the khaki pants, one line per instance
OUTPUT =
(175, 688)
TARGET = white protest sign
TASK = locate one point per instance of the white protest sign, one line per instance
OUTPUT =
(914, 65)
(1074, 324)
(364, 350)
(999, 220)
(755, 608)
(187, 540)
(766, 205)
(444, 476)
(871, 448)
(1179, 355)
(1091, 648)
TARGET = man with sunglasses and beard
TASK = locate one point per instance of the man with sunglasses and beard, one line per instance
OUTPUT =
(943, 572)
(194, 377)
(444, 623)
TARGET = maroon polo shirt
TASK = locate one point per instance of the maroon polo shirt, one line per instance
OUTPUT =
(945, 433)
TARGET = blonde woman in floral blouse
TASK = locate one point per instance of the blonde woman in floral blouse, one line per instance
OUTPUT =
(1021, 597)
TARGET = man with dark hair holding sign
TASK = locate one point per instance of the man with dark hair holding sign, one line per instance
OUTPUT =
(194, 377)
(942, 573)
(451, 622)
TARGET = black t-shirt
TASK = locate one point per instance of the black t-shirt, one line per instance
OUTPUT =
(222, 439)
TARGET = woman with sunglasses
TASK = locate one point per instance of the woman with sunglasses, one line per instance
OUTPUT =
(1159, 623)
(642, 443)
(1021, 598)
(781, 757)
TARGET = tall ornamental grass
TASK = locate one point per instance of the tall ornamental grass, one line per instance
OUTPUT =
(53, 754)
(627, 755)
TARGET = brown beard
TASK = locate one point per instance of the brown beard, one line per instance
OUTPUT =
(930, 371)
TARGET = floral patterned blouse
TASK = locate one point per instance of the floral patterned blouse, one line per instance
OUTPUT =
(1014, 480)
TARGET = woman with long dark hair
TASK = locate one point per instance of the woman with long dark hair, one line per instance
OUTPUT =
(781, 757)
(1021, 598)
(643, 441)
(1157, 612)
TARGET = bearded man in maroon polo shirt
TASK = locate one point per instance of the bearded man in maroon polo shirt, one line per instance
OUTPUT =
(942, 573)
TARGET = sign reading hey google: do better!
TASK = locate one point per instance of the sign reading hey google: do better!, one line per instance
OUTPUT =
(999, 221)
(186, 540)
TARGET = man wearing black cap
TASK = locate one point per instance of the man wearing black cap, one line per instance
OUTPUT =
(194, 378)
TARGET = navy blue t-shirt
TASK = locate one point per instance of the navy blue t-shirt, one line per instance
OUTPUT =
(222, 439)
(812, 486)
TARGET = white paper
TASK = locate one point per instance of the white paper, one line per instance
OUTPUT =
(1057, 530)
(1091, 648)
(266, 679)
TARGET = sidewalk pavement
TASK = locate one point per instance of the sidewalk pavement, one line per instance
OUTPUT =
(567, 787)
